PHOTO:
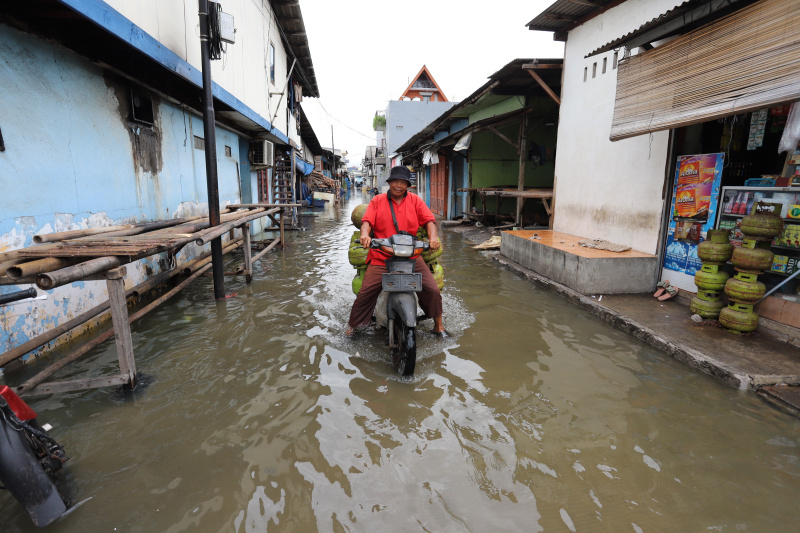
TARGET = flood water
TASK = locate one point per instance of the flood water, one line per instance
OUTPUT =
(534, 416)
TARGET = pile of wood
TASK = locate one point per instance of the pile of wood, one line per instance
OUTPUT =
(319, 180)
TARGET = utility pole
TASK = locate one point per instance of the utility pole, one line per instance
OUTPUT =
(211, 151)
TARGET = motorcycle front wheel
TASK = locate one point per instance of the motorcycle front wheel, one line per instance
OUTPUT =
(404, 357)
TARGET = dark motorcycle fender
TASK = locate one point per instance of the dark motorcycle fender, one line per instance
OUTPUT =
(404, 306)
(23, 476)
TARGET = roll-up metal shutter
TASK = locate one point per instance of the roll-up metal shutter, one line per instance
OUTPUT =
(747, 60)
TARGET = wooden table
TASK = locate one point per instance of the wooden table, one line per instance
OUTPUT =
(545, 195)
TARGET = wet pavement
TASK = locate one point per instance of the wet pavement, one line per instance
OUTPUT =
(536, 415)
(750, 361)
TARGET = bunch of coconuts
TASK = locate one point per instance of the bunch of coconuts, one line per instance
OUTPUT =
(357, 254)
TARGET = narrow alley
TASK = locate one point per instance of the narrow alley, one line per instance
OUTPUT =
(256, 414)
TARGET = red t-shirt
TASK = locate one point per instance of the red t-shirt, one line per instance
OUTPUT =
(411, 213)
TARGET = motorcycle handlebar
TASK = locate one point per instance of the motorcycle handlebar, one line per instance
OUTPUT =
(377, 243)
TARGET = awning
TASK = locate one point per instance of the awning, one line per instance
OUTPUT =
(745, 61)
(303, 166)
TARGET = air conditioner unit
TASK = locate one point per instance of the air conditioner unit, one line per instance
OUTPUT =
(262, 153)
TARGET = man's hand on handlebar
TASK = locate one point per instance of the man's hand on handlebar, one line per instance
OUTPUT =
(365, 239)
(435, 243)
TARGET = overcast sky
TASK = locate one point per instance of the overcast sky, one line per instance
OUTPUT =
(365, 53)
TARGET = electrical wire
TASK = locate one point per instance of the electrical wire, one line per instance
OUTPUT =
(371, 137)
(214, 39)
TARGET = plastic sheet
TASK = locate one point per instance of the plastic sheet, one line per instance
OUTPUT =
(791, 132)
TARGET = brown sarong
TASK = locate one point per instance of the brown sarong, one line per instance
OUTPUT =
(430, 299)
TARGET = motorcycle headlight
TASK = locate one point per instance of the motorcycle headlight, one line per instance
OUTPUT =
(402, 250)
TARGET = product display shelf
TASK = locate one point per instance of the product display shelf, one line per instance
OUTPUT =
(787, 258)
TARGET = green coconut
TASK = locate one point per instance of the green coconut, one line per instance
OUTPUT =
(438, 274)
(358, 214)
(356, 236)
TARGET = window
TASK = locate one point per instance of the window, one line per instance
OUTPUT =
(585, 73)
(142, 106)
(272, 63)
(605, 62)
(614, 62)
(594, 69)
(199, 143)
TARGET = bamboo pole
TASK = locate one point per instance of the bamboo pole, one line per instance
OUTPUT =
(267, 206)
(39, 266)
(138, 290)
(57, 278)
(61, 363)
(212, 233)
(72, 234)
(261, 254)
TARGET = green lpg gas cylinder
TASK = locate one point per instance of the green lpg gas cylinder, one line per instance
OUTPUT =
(716, 248)
(744, 288)
(762, 226)
(358, 280)
(707, 309)
(709, 280)
(357, 255)
(753, 260)
(739, 318)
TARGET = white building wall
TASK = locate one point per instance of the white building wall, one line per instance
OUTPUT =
(243, 70)
(606, 190)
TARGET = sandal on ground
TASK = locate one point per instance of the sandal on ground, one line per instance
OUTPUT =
(441, 334)
(661, 288)
(670, 292)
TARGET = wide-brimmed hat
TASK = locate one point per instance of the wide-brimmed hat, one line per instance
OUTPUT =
(400, 173)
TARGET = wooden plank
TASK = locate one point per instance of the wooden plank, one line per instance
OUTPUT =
(122, 329)
(521, 175)
(544, 86)
(76, 384)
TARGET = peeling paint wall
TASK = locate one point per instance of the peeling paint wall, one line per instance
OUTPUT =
(75, 159)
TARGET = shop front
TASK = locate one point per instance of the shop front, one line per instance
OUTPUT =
(729, 93)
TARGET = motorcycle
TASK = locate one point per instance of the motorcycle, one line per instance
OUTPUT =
(29, 460)
(396, 309)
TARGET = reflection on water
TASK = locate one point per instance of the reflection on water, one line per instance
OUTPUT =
(260, 416)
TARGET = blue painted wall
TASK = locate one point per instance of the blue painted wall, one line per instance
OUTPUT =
(75, 159)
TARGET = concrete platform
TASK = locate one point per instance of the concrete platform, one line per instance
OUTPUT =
(749, 362)
(559, 257)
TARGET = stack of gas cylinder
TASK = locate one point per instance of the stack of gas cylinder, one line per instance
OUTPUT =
(431, 258)
(714, 252)
(752, 258)
(357, 254)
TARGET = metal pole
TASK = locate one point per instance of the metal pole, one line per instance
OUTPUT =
(211, 152)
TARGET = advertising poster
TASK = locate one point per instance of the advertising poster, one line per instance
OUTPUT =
(694, 206)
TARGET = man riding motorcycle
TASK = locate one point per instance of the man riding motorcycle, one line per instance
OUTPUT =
(378, 221)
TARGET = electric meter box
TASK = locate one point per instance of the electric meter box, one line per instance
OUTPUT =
(227, 33)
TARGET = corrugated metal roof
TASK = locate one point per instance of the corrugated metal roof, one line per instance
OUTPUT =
(511, 79)
(563, 15)
(687, 16)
